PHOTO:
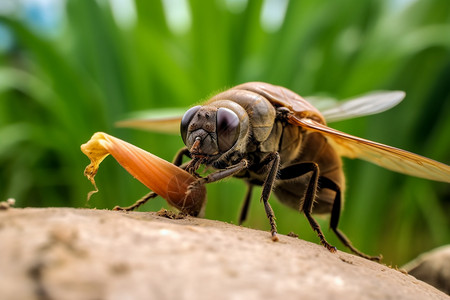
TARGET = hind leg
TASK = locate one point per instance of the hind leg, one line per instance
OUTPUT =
(324, 182)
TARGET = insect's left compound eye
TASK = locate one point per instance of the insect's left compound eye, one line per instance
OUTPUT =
(186, 120)
(227, 128)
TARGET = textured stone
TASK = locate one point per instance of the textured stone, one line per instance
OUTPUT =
(64, 253)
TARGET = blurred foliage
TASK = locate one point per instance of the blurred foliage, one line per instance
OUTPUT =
(57, 90)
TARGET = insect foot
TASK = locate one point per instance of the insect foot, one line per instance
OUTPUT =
(275, 237)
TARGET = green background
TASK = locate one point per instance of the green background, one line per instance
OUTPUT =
(96, 65)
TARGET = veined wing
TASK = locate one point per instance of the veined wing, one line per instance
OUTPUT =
(385, 156)
(328, 109)
(368, 104)
(168, 120)
(157, 120)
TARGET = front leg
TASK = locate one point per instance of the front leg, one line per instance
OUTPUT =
(221, 174)
(274, 160)
(138, 203)
(178, 159)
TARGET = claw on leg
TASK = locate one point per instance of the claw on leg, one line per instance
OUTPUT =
(275, 236)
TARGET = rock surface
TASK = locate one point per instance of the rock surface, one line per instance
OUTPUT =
(64, 253)
(433, 267)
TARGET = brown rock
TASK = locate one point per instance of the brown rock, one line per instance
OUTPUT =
(433, 267)
(64, 253)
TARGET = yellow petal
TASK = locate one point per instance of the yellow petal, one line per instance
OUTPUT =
(162, 177)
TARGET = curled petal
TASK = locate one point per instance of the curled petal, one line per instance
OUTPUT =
(164, 178)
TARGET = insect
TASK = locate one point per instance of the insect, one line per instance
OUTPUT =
(269, 136)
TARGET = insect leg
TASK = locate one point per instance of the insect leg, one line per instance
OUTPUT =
(246, 204)
(300, 169)
(138, 203)
(267, 189)
(221, 174)
(178, 160)
(325, 182)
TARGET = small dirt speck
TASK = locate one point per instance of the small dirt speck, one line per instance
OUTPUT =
(171, 215)
(346, 260)
(403, 271)
(119, 268)
(292, 234)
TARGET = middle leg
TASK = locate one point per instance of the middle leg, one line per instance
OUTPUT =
(246, 204)
(274, 160)
(307, 203)
(325, 182)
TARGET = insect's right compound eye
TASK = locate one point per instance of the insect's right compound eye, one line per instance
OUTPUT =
(186, 120)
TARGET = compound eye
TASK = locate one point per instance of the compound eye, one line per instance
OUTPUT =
(227, 129)
(186, 120)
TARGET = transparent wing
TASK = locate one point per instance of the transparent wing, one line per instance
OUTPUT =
(168, 120)
(368, 104)
(385, 156)
(157, 120)
(323, 103)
